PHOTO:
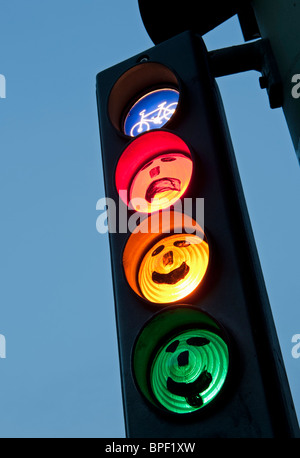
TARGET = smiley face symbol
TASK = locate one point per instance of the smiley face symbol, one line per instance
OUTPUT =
(173, 268)
(191, 389)
(189, 370)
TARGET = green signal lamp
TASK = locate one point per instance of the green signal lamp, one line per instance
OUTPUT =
(181, 360)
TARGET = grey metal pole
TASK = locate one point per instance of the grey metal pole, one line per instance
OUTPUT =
(279, 22)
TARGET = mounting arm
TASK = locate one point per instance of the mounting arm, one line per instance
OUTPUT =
(257, 56)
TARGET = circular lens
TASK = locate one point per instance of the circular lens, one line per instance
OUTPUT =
(181, 359)
(166, 257)
(173, 268)
(154, 171)
(135, 89)
(151, 111)
(189, 370)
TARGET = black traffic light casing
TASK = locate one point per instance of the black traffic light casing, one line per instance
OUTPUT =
(163, 19)
(256, 401)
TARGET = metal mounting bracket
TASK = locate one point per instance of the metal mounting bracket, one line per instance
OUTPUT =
(258, 56)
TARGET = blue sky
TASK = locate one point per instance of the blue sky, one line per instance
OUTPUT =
(60, 377)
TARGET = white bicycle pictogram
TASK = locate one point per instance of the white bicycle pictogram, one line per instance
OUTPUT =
(159, 116)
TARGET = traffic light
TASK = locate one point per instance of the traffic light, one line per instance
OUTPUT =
(199, 356)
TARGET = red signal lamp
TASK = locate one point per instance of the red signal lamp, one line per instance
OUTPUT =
(155, 170)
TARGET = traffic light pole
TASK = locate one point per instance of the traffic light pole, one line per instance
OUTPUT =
(278, 21)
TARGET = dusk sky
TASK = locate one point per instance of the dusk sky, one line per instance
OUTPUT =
(60, 377)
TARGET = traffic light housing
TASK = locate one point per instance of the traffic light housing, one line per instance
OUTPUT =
(164, 19)
(199, 355)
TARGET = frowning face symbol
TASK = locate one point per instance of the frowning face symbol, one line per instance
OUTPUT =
(161, 182)
(173, 268)
(155, 165)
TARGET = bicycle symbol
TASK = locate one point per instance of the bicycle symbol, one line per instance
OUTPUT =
(157, 117)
